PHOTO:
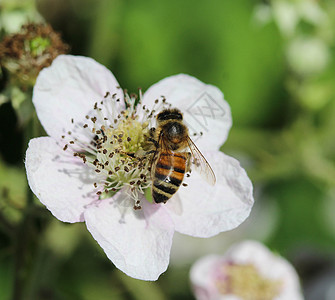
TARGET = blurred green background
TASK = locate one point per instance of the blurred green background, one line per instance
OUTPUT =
(274, 61)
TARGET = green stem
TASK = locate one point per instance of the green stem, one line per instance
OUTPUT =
(26, 234)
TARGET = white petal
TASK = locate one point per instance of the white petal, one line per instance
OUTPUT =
(205, 210)
(61, 182)
(68, 90)
(138, 242)
(271, 266)
(203, 105)
(201, 275)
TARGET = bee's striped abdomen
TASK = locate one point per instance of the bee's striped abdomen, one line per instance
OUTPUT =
(169, 174)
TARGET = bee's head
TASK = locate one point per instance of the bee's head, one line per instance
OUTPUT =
(169, 114)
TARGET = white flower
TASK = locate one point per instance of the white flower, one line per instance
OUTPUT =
(288, 14)
(248, 271)
(81, 171)
(308, 56)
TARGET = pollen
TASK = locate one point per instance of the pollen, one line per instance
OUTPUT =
(116, 136)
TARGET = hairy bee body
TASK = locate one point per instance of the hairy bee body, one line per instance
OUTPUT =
(168, 175)
(171, 160)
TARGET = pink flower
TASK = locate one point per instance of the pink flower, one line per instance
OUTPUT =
(248, 271)
(81, 171)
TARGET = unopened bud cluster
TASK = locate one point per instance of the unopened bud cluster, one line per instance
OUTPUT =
(24, 54)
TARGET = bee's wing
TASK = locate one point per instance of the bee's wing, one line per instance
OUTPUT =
(162, 147)
(200, 164)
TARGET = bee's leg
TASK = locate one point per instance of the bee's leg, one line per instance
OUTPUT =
(188, 164)
(151, 138)
(150, 152)
(154, 142)
(152, 131)
(140, 153)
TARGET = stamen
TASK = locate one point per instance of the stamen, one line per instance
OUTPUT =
(114, 137)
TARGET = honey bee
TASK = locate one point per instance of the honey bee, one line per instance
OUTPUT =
(171, 160)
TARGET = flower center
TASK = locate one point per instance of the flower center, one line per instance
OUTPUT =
(117, 136)
(245, 281)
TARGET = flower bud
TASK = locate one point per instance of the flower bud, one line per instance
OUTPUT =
(24, 54)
